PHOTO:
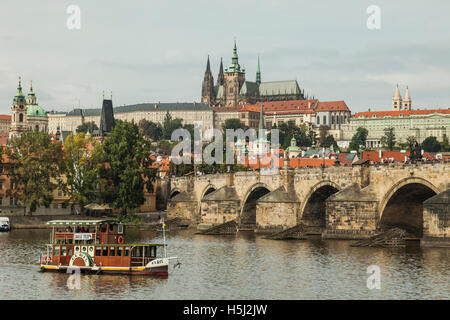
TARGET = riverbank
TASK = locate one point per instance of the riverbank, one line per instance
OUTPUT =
(140, 220)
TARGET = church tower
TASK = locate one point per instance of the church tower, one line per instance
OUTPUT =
(397, 100)
(407, 103)
(18, 113)
(208, 86)
(234, 79)
(31, 98)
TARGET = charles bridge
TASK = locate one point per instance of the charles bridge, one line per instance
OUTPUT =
(354, 202)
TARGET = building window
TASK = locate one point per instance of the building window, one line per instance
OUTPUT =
(21, 117)
(149, 201)
(324, 119)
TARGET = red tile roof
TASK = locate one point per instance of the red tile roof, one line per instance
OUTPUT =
(5, 117)
(332, 106)
(405, 113)
(387, 156)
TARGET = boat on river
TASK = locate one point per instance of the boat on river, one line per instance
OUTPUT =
(100, 247)
(4, 224)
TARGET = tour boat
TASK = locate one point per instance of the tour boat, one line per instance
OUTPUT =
(4, 224)
(99, 247)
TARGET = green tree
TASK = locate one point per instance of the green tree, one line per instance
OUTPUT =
(388, 140)
(233, 123)
(127, 167)
(411, 143)
(359, 138)
(35, 165)
(302, 135)
(445, 146)
(87, 126)
(329, 141)
(83, 161)
(323, 133)
(170, 125)
(151, 129)
(431, 144)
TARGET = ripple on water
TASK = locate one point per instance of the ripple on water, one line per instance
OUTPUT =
(236, 267)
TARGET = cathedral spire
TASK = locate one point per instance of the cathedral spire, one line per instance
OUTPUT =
(220, 77)
(208, 85)
(208, 68)
(258, 73)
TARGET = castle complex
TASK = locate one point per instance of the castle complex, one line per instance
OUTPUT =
(232, 89)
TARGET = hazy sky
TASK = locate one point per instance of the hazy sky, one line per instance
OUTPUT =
(150, 51)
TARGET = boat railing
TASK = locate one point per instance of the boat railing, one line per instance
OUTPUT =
(75, 236)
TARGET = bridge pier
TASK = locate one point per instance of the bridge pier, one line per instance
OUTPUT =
(436, 218)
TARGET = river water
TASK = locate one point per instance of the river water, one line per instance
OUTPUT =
(244, 266)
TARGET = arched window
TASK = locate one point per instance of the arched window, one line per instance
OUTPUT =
(324, 119)
(21, 117)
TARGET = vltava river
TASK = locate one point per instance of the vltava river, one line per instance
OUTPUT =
(236, 267)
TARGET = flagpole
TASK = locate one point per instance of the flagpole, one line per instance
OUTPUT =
(164, 237)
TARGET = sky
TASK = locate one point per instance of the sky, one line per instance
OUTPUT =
(156, 51)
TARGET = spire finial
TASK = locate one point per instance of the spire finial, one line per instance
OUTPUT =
(103, 94)
(111, 94)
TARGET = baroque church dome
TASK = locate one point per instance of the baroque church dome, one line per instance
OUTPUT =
(34, 110)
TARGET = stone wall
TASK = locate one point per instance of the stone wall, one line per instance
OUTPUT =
(186, 210)
(350, 219)
(220, 211)
(275, 216)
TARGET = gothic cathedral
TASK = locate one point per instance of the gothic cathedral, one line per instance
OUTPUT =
(232, 89)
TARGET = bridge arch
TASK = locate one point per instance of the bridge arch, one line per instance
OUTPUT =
(247, 216)
(207, 190)
(174, 192)
(401, 206)
(312, 211)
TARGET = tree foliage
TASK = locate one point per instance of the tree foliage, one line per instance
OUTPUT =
(233, 123)
(35, 165)
(83, 161)
(388, 140)
(288, 130)
(87, 126)
(127, 167)
(359, 139)
(431, 144)
(445, 146)
(151, 129)
(170, 125)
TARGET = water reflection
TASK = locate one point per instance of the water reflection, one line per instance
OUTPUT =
(244, 266)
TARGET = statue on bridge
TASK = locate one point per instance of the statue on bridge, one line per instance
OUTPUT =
(416, 152)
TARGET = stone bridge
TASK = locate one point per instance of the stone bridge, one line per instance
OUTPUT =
(340, 202)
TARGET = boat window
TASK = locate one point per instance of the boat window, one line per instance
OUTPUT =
(105, 251)
(127, 251)
(63, 250)
(112, 251)
(56, 248)
(111, 227)
(103, 228)
(70, 251)
(119, 251)
(120, 228)
(98, 251)
(137, 251)
(147, 251)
